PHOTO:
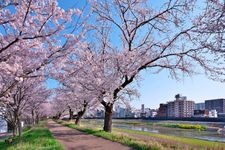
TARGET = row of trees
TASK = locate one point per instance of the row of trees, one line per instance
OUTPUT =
(128, 36)
(27, 102)
(97, 58)
(33, 35)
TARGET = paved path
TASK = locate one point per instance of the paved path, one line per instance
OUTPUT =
(75, 140)
(5, 135)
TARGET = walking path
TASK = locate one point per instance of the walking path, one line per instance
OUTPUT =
(75, 140)
(4, 135)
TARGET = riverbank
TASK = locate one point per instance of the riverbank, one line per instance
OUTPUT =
(147, 140)
(197, 119)
(38, 137)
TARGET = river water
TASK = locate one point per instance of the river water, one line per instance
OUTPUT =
(210, 134)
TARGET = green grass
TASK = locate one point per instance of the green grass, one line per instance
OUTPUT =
(147, 140)
(185, 126)
(181, 140)
(37, 138)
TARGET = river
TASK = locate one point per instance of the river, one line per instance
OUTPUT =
(210, 134)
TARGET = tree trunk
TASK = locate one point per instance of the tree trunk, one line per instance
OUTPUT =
(77, 121)
(15, 123)
(33, 117)
(14, 130)
(19, 127)
(81, 113)
(71, 114)
(108, 118)
(58, 116)
(37, 119)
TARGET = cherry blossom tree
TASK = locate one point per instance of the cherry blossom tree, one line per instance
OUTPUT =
(45, 110)
(59, 105)
(136, 35)
(74, 94)
(91, 77)
(33, 33)
(210, 35)
(40, 95)
(24, 99)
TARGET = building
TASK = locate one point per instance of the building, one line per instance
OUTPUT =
(143, 113)
(171, 109)
(200, 106)
(130, 113)
(121, 112)
(142, 108)
(153, 113)
(180, 107)
(201, 113)
(162, 112)
(137, 113)
(147, 112)
(213, 113)
(221, 115)
(215, 104)
(100, 113)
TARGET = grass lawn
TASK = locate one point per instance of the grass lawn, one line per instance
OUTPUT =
(37, 138)
(146, 140)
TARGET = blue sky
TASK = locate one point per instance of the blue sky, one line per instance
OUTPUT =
(160, 88)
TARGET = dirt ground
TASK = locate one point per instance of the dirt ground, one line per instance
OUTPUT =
(75, 140)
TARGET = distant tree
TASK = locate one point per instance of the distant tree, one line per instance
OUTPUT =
(24, 97)
(38, 100)
(75, 95)
(59, 105)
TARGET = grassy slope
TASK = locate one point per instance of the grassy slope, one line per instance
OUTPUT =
(147, 140)
(189, 142)
(37, 138)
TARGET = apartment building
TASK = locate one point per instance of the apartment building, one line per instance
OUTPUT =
(180, 107)
(215, 104)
